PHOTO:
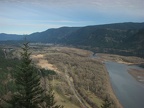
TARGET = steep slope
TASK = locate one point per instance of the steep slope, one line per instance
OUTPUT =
(103, 36)
(52, 35)
(136, 41)
(110, 35)
(111, 38)
(97, 37)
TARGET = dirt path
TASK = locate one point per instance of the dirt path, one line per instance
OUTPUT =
(43, 63)
(5, 54)
(73, 89)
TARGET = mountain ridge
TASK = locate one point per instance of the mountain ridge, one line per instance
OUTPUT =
(110, 37)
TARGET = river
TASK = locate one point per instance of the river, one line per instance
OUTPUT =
(129, 91)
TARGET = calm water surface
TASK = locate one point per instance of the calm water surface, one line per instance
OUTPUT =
(129, 91)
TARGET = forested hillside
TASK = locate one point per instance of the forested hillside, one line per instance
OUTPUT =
(52, 35)
(118, 38)
(7, 65)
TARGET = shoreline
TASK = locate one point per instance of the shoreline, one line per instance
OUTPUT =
(130, 61)
(111, 90)
(137, 74)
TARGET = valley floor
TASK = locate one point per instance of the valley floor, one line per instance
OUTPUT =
(82, 80)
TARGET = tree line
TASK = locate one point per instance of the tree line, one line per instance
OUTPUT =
(29, 93)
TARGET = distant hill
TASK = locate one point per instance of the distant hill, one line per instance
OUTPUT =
(52, 35)
(112, 38)
(99, 35)
(6, 37)
(110, 35)
(135, 41)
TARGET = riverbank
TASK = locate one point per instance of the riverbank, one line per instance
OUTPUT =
(126, 88)
(138, 74)
(129, 60)
(110, 89)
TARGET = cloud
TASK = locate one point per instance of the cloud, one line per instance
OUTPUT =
(95, 4)
(43, 14)
(79, 2)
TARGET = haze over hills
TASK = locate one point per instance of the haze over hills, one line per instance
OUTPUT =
(5, 37)
(121, 36)
(78, 35)
(52, 35)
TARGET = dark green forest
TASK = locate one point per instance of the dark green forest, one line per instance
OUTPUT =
(6, 73)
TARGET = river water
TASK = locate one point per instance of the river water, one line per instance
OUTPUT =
(129, 91)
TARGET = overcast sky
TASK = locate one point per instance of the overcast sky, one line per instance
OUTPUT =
(28, 16)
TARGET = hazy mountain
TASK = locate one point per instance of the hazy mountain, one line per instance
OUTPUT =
(5, 37)
(52, 35)
(135, 41)
(110, 37)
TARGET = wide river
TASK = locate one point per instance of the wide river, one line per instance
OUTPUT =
(129, 91)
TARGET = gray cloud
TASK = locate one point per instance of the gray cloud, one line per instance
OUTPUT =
(43, 14)
(81, 2)
(126, 6)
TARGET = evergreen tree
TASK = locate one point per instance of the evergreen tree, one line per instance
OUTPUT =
(29, 93)
(28, 81)
(106, 103)
(49, 101)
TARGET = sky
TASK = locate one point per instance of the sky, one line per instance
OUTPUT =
(28, 16)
